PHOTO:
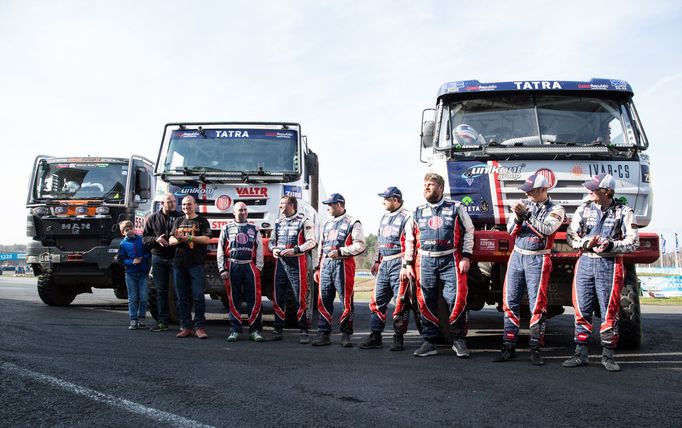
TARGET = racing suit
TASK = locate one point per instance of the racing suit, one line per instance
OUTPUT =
(294, 232)
(528, 269)
(391, 238)
(240, 252)
(343, 233)
(600, 276)
(437, 237)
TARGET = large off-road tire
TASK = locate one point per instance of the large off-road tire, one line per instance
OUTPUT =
(121, 291)
(51, 293)
(172, 307)
(630, 327)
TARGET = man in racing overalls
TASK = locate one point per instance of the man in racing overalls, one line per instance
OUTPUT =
(391, 240)
(602, 229)
(291, 243)
(342, 240)
(533, 225)
(240, 259)
(439, 241)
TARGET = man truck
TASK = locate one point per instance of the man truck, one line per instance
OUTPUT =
(74, 207)
(487, 138)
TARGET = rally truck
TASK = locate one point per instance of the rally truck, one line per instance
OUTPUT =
(485, 139)
(74, 207)
(222, 163)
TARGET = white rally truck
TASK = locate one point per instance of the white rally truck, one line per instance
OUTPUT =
(485, 139)
(222, 163)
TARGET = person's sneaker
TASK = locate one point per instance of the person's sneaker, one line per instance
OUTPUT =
(426, 349)
(256, 336)
(201, 333)
(141, 324)
(233, 337)
(322, 339)
(303, 337)
(460, 348)
(397, 344)
(345, 341)
(159, 327)
(277, 335)
(373, 341)
(578, 359)
(536, 357)
(608, 362)
(508, 353)
(133, 325)
(185, 332)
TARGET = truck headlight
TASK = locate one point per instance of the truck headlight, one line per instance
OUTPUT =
(102, 210)
(40, 211)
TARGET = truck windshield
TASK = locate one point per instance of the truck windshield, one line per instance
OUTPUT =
(81, 180)
(536, 119)
(233, 150)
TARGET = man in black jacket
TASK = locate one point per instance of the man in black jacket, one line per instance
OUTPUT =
(157, 231)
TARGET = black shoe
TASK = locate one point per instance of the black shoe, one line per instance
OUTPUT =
(345, 341)
(276, 335)
(159, 327)
(373, 341)
(397, 342)
(322, 339)
(536, 357)
(426, 349)
(579, 359)
(508, 353)
(303, 337)
(608, 362)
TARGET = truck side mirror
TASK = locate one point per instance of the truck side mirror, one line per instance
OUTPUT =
(427, 133)
(143, 184)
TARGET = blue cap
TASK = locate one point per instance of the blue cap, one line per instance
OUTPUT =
(535, 181)
(601, 181)
(392, 192)
(334, 199)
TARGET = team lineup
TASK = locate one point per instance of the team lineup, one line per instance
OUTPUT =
(418, 252)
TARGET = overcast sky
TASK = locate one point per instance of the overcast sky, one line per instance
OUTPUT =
(102, 78)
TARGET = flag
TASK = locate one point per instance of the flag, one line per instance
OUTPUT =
(662, 244)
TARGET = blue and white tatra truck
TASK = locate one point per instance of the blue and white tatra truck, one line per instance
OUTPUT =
(222, 163)
(485, 139)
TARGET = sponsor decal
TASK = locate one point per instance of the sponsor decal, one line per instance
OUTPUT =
(241, 238)
(619, 85)
(218, 224)
(435, 222)
(294, 191)
(487, 244)
(537, 85)
(485, 207)
(231, 133)
(549, 175)
(615, 170)
(252, 192)
(223, 202)
(510, 335)
(646, 173)
(583, 336)
(577, 170)
(467, 200)
(195, 191)
(512, 172)
(623, 200)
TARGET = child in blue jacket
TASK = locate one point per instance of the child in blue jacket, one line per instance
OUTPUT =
(135, 257)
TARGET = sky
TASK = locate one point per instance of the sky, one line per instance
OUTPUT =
(102, 78)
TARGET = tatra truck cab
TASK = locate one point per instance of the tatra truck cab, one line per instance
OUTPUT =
(222, 163)
(74, 207)
(485, 139)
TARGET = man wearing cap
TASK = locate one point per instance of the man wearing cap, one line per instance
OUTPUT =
(342, 240)
(602, 229)
(439, 242)
(240, 260)
(291, 243)
(391, 239)
(533, 225)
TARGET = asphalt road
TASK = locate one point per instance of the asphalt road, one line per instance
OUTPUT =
(80, 366)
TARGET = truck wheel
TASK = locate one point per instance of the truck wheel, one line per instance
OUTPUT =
(153, 307)
(51, 293)
(121, 291)
(630, 316)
